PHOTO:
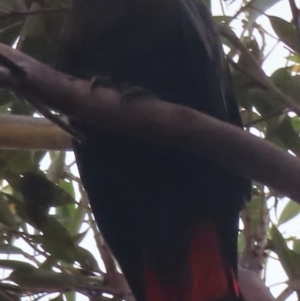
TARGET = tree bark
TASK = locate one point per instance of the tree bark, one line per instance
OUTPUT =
(152, 119)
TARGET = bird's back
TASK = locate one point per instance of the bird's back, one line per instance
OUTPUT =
(149, 199)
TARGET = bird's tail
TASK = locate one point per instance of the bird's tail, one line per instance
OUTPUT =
(207, 278)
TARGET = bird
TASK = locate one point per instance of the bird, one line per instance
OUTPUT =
(169, 216)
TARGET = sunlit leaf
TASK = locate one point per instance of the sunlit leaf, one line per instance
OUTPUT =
(291, 210)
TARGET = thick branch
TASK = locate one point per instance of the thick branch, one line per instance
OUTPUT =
(153, 120)
(253, 287)
(22, 132)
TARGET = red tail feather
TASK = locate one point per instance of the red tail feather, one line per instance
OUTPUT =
(208, 277)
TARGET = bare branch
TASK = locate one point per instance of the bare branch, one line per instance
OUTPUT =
(22, 132)
(253, 287)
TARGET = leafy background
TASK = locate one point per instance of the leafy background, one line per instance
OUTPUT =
(50, 247)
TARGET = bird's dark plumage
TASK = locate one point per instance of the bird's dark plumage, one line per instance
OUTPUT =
(169, 216)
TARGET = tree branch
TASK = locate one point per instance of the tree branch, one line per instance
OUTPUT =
(256, 73)
(24, 132)
(253, 287)
(157, 120)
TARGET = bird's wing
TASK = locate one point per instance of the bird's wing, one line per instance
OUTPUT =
(222, 100)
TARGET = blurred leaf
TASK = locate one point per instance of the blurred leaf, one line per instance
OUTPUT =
(10, 250)
(281, 76)
(296, 123)
(10, 34)
(58, 298)
(296, 246)
(241, 243)
(20, 107)
(56, 167)
(70, 296)
(6, 97)
(291, 210)
(87, 260)
(38, 192)
(71, 217)
(289, 259)
(14, 264)
(16, 206)
(222, 19)
(295, 58)
(33, 40)
(281, 132)
(40, 48)
(42, 280)
(6, 215)
(78, 237)
(15, 162)
(286, 32)
(252, 45)
(57, 241)
(68, 186)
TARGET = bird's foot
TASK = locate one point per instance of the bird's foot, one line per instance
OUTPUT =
(103, 82)
(134, 92)
(129, 92)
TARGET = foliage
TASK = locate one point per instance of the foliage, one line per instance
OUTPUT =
(43, 216)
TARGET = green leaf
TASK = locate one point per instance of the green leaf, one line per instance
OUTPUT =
(296, 246)
(15, 162)
(57, 241)
(10, 34)
(42, 279)
(6, 97)
(16, 206)
(68, 186)
(294, 58)
(286, 32)
(45, 280)
(289, 259)
(56, 167)
(87, 260)
(39, 194)
(70, 296)
(291, 210)
(58, 298)
(241, 243)
(281, 76)
(10, 250)
(222, 19)
(14, 264)
(71, 217)
(7, 216)
(296, 123)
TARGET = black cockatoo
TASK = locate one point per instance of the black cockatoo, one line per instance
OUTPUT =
(169, 216)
